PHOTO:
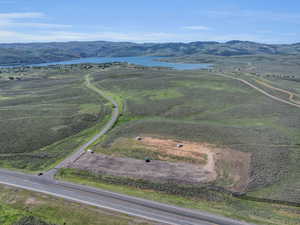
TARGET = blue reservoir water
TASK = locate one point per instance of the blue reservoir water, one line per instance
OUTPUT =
(140, 60)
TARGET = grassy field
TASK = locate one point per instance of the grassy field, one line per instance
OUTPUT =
(267, 65)
(45, 115)
(199, 106)
(182, 105)
(20, 207)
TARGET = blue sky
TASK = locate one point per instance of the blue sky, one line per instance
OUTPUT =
(268, 21)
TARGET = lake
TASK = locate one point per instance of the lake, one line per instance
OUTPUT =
(139, 60)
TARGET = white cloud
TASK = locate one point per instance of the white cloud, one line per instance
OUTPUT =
(196, 28)
(61, 36)
(33, 25)
(10, 37)
(48, 32)
(12, 20)
(7, 16)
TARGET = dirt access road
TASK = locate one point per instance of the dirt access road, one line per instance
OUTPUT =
(114, 118)
(290, 94)
(260, 90)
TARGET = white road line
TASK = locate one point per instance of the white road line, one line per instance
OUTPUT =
(85, 202)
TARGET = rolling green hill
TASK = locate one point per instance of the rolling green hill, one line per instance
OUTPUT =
(11, 54)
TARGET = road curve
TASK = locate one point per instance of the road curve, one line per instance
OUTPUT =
(146, 209)
(115, 115)
(260, 90)
(289, 93)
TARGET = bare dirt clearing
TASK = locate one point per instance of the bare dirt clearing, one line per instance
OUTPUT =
(157, 171)
(177, 148)
(227, 167)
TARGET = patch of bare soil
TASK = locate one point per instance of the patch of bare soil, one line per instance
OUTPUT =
(32, 201)
(156, 170)
(228, 167)
(234, 168)
(176, 148)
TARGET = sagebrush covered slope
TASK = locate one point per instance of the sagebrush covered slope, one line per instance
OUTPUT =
(58, 51)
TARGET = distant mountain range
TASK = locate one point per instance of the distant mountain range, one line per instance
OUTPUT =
(27, 53)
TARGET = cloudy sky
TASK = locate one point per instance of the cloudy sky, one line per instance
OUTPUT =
(268, 21)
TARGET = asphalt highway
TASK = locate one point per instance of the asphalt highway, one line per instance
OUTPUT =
(163, 213)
